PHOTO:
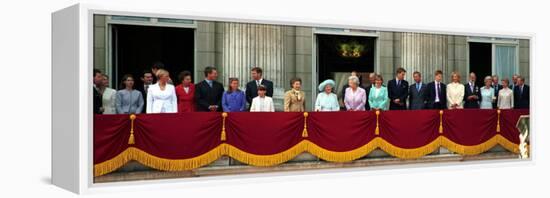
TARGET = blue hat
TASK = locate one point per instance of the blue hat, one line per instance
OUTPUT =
(325, 83)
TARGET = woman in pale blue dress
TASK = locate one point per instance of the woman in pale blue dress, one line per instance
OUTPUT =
(487, 94)
(326, 100)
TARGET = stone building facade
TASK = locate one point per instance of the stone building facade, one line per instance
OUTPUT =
(285, 52)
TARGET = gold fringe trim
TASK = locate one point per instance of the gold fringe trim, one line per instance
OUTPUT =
(507, 144)
(266, 160)
(480, 148)
(468, 150)
(345, 156)
(404, 153)
(158, 163)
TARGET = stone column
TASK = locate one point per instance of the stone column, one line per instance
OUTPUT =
(524, 59)
(206, 50)
(99, 43)
(304, 39)
(386, 55)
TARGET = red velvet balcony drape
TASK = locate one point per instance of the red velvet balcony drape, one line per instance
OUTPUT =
(184, 141)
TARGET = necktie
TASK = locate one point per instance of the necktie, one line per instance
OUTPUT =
(398, 83)
(257, 83)
(418, 87)
(437, 91)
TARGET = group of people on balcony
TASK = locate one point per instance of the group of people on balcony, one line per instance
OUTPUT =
(163, 97)
(210, 95)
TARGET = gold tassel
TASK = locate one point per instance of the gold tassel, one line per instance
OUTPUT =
(224, 115)
(304, 132)
(498, 121)
(377, 130)
(440, 121)
(131, 140)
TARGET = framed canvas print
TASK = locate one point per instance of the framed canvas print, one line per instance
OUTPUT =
(144, 95)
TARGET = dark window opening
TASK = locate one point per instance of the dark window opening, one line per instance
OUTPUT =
(136, 48)
(337, 53)
(481, 60)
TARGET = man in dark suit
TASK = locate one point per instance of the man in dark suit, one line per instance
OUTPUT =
(514, 81)
(398, 90)
(147, 80)
(97, 100)
(471, 93)
(417, 93)
(257, 80)
(209, 92)
(437, 92)
(497, 87)
(521, 94)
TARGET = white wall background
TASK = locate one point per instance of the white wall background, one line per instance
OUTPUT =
(25, 94)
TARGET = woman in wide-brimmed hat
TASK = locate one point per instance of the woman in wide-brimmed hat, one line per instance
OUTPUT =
(326, 100)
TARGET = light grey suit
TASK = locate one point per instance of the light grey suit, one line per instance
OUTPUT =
(418, 98)
(128, 102)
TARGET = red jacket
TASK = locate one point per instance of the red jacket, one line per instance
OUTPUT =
(186, 101)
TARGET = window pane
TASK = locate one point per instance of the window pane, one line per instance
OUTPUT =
(505, 61)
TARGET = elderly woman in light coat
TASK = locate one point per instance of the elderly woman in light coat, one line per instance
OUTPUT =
(326, 100)
(356, 97)
(487, 94)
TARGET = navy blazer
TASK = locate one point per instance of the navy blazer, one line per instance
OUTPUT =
(521, 99)
(98, 102)
(206, 95)
(252, 89)
(442, 95)
(474, 103)
(401, 93)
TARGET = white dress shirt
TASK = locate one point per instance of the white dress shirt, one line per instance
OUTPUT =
(162, 101)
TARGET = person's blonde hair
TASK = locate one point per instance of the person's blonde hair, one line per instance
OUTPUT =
(161, 72)
(490, 78)
(457, 76)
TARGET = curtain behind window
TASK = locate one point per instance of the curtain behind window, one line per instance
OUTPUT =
(505, 61)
